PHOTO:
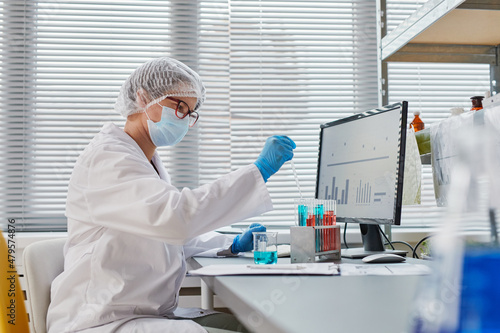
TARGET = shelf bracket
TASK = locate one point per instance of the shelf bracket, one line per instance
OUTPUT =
(495, 73)
(383, 82)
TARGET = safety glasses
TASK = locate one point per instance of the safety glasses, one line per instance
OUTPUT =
(182, 111)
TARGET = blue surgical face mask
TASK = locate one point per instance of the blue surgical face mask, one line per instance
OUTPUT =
(170, 130)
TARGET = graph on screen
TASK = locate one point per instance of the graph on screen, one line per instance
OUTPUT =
(358, 165)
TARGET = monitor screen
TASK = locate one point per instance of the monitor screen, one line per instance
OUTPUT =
(361, 163)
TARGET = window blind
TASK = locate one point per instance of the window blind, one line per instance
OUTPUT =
(214, 63)
(62, 65)
(270, 67)
(293, 66)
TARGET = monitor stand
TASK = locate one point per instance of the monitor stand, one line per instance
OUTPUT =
(372, 244)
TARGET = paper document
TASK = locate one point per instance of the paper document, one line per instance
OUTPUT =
(279, 269)
(382, 269)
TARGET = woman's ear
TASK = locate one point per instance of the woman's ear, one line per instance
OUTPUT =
(142, 98)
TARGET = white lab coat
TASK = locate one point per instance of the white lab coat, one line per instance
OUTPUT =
(129, 232)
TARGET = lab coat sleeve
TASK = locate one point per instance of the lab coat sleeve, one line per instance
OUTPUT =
(123, 192)
(208, 245)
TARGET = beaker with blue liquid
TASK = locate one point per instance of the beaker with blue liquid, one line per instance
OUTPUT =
(265, 248)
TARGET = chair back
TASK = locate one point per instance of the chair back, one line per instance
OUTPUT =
(43, 262)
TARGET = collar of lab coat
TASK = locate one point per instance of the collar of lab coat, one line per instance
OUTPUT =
(112, 129)
(159, 166)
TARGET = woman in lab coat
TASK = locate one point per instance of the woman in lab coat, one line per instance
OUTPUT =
(130, 231)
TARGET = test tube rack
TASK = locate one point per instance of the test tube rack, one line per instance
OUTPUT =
(314, 244)
(316, 237)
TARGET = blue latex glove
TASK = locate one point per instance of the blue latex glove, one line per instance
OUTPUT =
(276, 151)
(244, 242)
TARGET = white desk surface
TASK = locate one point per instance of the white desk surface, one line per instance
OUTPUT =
(289, 304)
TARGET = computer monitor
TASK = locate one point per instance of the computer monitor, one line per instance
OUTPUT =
(360, 166)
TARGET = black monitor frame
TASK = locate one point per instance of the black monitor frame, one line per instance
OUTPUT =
(369, 227)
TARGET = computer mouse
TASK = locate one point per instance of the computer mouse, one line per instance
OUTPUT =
(383, 258)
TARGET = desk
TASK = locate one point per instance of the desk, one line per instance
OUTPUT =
(289, 304)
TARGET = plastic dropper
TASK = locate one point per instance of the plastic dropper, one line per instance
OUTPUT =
(296, 178)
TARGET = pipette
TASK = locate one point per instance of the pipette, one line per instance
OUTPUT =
(296, 178)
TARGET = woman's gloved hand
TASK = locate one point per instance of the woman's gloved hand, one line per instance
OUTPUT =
(244, 241)
(277, 150)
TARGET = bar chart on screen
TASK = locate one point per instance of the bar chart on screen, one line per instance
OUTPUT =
(358, 177)
(364, 192)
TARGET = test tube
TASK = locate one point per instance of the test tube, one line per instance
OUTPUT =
(301, 212)
(329, 219)
(310, 216)
(322, 223)
(318, 212)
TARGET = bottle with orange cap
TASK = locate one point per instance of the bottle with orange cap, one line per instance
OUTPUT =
(417, 124)
(477, 103)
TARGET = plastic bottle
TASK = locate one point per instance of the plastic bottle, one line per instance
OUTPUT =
(417, 124)
(477, 103)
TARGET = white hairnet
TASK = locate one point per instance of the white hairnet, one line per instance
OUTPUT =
(157, 79)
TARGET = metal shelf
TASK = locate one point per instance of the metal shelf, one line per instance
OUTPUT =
(423, 18)
(457, 23)
(449, 31)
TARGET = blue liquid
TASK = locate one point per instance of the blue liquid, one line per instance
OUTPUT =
(265, 258)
